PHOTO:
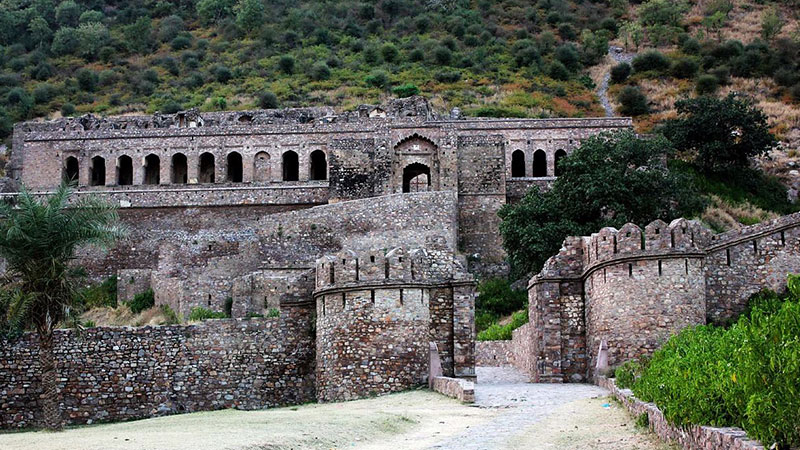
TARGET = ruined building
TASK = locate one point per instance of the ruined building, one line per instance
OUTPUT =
(362, 231)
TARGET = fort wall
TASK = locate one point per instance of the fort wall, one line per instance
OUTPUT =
(632, 288)
(120, 373)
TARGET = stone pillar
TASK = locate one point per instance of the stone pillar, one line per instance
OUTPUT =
(111, 171)
(165, 170)
(192, 167)
(248, 161)
(464, 329)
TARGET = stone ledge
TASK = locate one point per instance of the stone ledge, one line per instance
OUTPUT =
(691, 438)
(462, 390)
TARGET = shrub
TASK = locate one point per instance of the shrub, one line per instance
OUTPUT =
(442, 55)
(141, 301)
(626, 374)
(448, 76)
(620, 72)
(406, 90)
(87, 79)
(320, 71)
(181, 42)
(169, 315)
(389, 52)
(706, 85)
(632, 101)
(200, 313)
(98, 295)
(741, 376)
(44, 92)
(786, 77)
(274, 312)
(222, 73)
(558, 71)
(67, 109)
(499, 332)
(684, 68)
(286, 64)
(268, 100)
(497, 296)
(378, 78)
(651, 60)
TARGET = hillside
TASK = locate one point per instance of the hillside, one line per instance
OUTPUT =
(509, 58)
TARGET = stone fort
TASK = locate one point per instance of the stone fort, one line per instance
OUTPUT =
(363, 232)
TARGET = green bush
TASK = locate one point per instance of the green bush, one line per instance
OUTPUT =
(499, 332)
(497, 296)
(200, 313)
(706, 85)
(744, 376)
(632, 101)
(169, 315)
(320, 71)
(684, 68)
(651, 60)
(626, 374)
(406, 90)
(378, 78)
(141, 301)
(99, 295)
(620, 72)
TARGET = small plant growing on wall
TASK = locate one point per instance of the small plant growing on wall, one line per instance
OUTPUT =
(274, 312)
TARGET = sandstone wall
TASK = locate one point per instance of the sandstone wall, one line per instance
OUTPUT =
(119, 373)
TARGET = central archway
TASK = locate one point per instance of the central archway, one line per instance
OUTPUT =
(416, 178)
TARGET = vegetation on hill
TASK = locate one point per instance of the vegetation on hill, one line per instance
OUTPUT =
(488, 57)
(702, 171)
(743, 376)
(498, 301)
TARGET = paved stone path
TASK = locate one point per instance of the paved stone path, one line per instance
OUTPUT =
(522, 405)
(618, 55)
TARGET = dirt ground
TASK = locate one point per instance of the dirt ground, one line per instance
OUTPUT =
(411, 420)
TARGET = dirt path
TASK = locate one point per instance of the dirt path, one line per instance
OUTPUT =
(618, 55)
(509, 414)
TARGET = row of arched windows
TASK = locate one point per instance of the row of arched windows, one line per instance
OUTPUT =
(206, 168)
(518, 164)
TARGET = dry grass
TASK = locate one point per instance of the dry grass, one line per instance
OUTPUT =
(744, 21)
(722, 215)
(123, 316)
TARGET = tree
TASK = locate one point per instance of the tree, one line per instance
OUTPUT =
(92, 37)
(213, 10)
(65, 41)
(771, 24)
(138, 35)
(632, 101)
(249, 14)
(68, 13)
(632, 33)
(720, 134)
(38, 240)
(611, 179)
(268, 100)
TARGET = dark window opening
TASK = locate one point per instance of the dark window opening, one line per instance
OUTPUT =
(518, 164)
(560, 154)
(71, 169)
(124, 171)
(291, 166)
(234, 167)
(206, 172)
(319, 165)
(98, 171)
(539, 163)
(152, 169)
(180, 169)
(416, 178)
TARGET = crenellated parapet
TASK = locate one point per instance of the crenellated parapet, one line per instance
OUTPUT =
(631, 288)
(378, 310)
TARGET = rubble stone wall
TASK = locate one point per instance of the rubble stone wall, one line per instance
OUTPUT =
(121, 373)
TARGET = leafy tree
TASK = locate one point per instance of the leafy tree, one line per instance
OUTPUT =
(39, 30)
(662, 12)
(249, 14)
(92, 16)
(170, 27)
(67, 13)
(632, 34)
(87, 79)
(286, 64)
(213, 10)
(771, 24)
(567, 54)
(138, 35)
(38, 240)
(632, 101)
(611, 179)
(65, 41)
(92, 37)
(720, 133)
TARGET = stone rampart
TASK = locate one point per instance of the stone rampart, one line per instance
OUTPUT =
(378, 310)
(632, 288)
(119, 373)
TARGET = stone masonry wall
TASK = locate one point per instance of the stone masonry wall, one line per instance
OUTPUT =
(118, 373)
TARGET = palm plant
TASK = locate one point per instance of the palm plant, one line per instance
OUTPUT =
(38, 239)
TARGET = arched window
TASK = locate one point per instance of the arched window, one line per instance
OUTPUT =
(71, 169)
(261, 167)
(539, 163)
(180, 169)
(291, 166)
(152, 169)
(319, 165)
(124, 170)
(234, 171)
(518, 164)
(206, 172)
(557, 161)
(416, 178)
(97, 173)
